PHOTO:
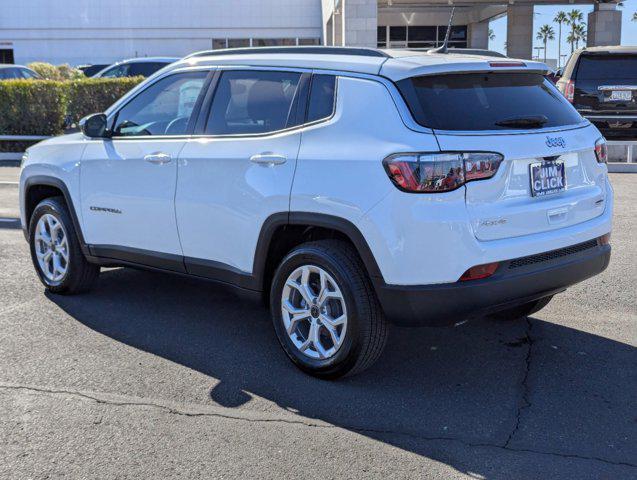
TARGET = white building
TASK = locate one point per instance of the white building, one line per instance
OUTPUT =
(97, 31)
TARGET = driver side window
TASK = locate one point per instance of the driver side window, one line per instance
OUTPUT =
(164, 108)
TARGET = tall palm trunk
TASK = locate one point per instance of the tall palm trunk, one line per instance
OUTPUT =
(545, 40)
(559, 46)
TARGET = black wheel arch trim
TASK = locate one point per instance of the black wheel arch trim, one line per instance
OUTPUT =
(311, 219)
(49, 181)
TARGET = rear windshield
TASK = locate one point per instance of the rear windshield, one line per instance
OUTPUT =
(480, 101)
(607, 67)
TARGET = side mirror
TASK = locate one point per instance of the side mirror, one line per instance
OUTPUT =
(94, 126)
(559, 73)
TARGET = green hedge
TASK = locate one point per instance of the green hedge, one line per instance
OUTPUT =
(40, 107)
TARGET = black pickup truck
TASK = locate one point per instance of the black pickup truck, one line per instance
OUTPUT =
(601, 83)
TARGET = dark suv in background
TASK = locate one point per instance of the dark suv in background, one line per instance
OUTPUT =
(601, 83)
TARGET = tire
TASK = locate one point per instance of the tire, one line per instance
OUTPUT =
(362, 336)
(522, 310)
(78, 275)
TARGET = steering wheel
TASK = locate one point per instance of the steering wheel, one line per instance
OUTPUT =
(176, 125)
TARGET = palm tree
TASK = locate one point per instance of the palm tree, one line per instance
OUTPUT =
(580, 34)
(545, 34)
(492, 34)
(634, 19)
(560, 18)
(574, 17)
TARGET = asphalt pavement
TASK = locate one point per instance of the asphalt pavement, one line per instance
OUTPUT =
(156, 376)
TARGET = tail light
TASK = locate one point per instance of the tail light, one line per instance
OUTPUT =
(601, 151)
(439, 172)
(479, 271)
(569, 90)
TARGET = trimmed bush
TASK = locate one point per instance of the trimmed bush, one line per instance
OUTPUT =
(94, 95)
(60, 72)
(43, 107)
(32, 107)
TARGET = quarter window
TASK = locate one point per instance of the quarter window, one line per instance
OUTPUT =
(321, 97)
(164, 108)
(253, 102)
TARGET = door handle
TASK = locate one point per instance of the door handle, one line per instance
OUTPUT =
(268, 158)
(158, 158)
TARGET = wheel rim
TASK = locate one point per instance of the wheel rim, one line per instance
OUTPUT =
(51, 248)
(314, 312)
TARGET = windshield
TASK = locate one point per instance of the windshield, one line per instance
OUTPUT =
(487, 101)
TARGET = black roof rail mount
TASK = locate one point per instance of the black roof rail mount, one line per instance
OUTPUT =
(359, 52)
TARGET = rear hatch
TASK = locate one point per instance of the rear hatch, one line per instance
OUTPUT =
(523, 117)
(606, 83)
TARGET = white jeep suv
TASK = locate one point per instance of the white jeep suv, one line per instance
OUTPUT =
(348, 188)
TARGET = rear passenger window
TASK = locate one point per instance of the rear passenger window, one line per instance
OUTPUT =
(321, 97)
(249, 102)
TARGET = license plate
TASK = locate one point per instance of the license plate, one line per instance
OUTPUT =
(547, 178)
(620, 96)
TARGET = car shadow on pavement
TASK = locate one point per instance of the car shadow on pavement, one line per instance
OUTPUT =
(473, 397)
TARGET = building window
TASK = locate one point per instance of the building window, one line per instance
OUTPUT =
(421, 37)
(273, 42)
(381, 37)
(238, 42)
(6, 55)
(219, 43)
(309, 41)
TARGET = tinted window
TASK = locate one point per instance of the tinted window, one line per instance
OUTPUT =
(477, 101)
(26, 73)
(117, 71)
(321, 97)
(164, 108)
(252, 102)
(9, 73)
(146, 69)
(607, 67)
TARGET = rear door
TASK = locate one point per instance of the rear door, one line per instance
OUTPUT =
(606, 82)
(238, 169)
(523, 117)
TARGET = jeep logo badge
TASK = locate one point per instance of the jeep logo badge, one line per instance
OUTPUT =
(554, 142)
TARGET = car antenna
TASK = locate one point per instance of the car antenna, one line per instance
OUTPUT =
(443, 48)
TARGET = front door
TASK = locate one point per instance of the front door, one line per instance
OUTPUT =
(128, 182)
(239, 171)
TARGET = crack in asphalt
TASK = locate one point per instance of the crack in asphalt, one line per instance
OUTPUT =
(525, 401)
(362, 430)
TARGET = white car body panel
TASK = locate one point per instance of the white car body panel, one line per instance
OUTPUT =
(115, 176)
(223, 198)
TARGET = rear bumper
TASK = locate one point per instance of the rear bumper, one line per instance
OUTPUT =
(515, 282)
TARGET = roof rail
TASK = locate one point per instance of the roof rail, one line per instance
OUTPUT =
(361, 52)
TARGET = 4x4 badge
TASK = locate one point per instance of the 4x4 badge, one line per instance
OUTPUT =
(554, 142)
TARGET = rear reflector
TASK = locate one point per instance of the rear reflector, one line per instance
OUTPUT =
(480, 271)
(604, 239)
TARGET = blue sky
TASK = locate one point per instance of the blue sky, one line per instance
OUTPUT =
(545, 15)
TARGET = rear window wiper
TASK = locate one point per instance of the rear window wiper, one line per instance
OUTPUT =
(536, 121)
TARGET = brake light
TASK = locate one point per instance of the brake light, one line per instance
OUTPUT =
(601, 151)
(506, 64)
(569, 90)
(479, 271)
(439, 172)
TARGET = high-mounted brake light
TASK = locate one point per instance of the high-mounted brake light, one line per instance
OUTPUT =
(506, 64)
(439, 172)
(601, 150)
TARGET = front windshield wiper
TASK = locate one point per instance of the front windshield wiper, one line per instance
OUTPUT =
(536, 121)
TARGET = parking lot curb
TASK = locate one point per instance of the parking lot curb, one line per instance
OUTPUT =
(622, 167)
